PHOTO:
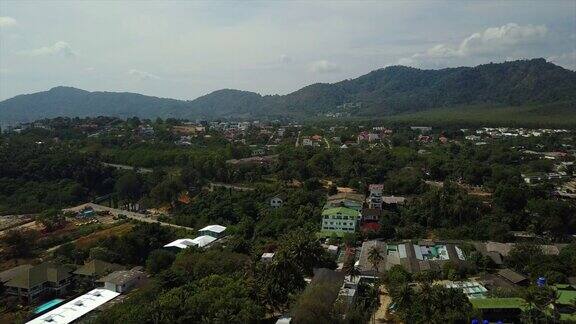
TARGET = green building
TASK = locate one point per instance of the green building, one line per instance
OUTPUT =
(340, 220)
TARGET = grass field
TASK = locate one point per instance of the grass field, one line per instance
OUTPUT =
(91, 239)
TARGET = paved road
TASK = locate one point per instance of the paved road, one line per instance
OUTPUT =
(229, 186)
(127, 167)
(132, 215)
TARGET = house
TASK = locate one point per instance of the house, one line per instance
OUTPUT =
(200, 241)
(513, 277)
(499, 251)
(393, 200)
(362, 137)
(506, 310)
(471, 288)
(340, 220)
(123, 280)
(258, 152)
(276, 202)
(352, 204)
(423, 129)
(267, 257)
(414, 257)
(374, 199)
(345, 199)
(216, 231)
(97, 268)
(7, 275)
(307, 141)
(365, 266)
(424, 138)
(371, 214)
(33, 282)
(332, 249)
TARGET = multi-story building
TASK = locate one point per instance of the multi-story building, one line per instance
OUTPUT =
(340, 220)
(31, 283)
(374, 199)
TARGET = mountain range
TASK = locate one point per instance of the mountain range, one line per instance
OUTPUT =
(384, 92)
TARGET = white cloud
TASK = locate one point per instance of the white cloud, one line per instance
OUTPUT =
(6, 21)
(324, 66)
(58, 48)
(498, 41)
(143, 75)
(567, 60)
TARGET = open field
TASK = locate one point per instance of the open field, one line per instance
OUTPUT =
(90, 239)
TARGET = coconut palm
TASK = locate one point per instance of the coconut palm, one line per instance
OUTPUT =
(350, 268)
(375, 258)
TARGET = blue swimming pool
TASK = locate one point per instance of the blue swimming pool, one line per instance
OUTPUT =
(47, 305)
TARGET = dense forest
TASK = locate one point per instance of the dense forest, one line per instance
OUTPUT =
(387, 91)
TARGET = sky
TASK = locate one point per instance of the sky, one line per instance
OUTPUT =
(185, 49)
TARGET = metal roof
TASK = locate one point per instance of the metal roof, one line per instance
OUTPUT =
(341, 211)
(76, 308)
(39, 274)
(213, 228)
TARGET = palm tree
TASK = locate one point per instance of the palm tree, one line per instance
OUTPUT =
(375, 258)
(403, 298)
(349, 267)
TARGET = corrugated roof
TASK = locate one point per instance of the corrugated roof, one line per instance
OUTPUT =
(511, 275)
(11, 273)
(36, 275)
(213, 228)
(364, 263)
(97, 268)
(76, 308)
(341, 211)
(349, 196)
(122, 276)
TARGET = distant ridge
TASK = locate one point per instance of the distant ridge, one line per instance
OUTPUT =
(389, 91)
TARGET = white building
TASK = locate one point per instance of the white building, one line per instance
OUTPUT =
(124, 280)
(216, 231)
(374, 199)
(267, 257)
(276, 202)
(184, 243)
(76, 308)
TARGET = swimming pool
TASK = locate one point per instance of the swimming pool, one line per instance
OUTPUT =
(47, 305)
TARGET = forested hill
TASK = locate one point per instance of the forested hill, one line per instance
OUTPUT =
(72, 102)
(387, 91)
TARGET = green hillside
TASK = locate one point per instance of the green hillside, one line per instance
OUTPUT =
(550, 115)
(549, 89)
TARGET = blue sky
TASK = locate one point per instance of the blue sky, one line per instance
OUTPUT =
(185, 49)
